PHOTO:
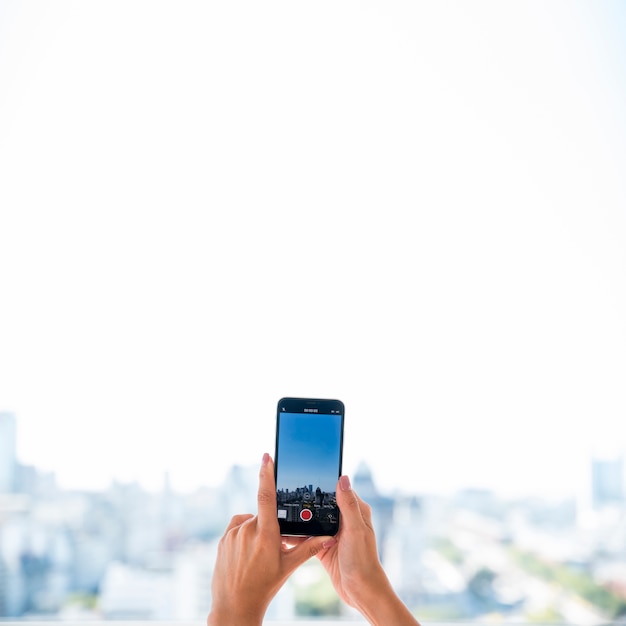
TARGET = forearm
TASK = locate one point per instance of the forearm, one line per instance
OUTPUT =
(237, 612)
(390, 612)
(381, 606)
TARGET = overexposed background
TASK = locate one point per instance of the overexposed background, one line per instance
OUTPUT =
(418, 208)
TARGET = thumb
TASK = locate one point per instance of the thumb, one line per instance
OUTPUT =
(304, 551)
(348, 502)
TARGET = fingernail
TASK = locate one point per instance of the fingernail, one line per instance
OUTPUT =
(266, 459)
(329, 544)
(344, 483)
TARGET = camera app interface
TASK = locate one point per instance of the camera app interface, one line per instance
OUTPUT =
(308, 467)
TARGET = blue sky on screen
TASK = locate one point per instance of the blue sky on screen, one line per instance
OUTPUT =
(308, 451)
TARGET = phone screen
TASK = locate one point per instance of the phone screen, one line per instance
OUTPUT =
(309, 442)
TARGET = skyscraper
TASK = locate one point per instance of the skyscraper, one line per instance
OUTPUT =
(8, 460)
(607, 481)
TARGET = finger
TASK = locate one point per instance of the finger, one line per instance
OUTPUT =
(328, 546)
(348, 503)
(237, 520)
(304, 551)
(266, 497)
(365, 508)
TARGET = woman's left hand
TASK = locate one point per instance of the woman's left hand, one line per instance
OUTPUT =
(253, 561)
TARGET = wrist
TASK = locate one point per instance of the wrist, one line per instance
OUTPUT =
(238, 617)
(380, 605)
(367, 587)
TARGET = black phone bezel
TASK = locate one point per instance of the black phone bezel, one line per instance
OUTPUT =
(297, 405)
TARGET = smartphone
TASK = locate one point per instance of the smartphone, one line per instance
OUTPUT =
(309, 449)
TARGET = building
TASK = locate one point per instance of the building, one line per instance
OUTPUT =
(382, 506)
(607, 482)
(8, 457)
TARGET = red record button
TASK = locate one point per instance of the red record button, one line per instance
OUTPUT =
(306, 515)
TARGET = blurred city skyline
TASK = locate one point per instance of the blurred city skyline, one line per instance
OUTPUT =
(416, 208)
(124, 553)
(601, 471)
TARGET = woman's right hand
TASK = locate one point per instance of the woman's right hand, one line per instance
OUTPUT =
(353, 565)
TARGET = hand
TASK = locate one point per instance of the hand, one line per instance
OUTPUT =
(353, 565)
(355, 555)
(253, 561)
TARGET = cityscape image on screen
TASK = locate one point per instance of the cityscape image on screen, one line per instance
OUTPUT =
(308, 467)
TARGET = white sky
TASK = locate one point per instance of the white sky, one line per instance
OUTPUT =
(418, 208)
